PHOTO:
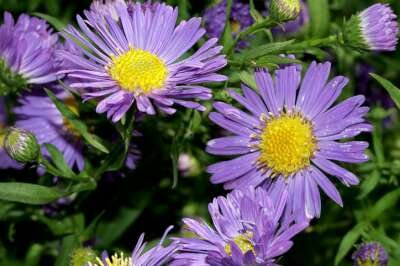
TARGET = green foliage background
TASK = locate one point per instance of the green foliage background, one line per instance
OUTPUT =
(145, 200)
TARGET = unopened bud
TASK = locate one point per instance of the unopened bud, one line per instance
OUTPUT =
(21, 145)
(285, 10)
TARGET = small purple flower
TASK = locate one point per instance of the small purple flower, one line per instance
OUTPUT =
(290, 135)
(155, 256)
(248, 231)
(27, 49)
(373, 29)
(370, 254)
(138, 58)
(215, 19)
(38, 114)
(5, 160)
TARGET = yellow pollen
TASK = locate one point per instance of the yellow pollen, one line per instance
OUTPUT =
(287, 144)
(243, 242)
(138, 71)
(115, 260)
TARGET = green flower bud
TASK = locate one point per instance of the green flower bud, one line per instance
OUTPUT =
(10, 82)
(82, 256)
(21, 145)
(284, 10)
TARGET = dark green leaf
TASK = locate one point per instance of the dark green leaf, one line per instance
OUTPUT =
(266, 49)
(78, 125)
(370, 182)
(227, 39)
(29, 193)
(393, 91)
(59, 162)
(386, 202)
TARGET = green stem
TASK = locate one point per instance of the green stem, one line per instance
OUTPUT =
(302, 46)
(49, 167)
(268, 22)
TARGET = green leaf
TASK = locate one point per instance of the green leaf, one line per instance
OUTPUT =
(348, 242)
(78, 125)
(34, 254)
(370, 182)
(386, 202)
(266, 49)
(393, 91)
(68, 244)
(227, 39)
(319, 17)
(248, 79)
(58, 160)
(29, 193)
(55, 22)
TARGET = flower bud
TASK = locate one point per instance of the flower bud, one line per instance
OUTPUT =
(370, 254)
(373, 29)
(21, 145)
(284, 10)
(82, 256)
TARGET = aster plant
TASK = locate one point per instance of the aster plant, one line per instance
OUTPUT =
(370, 254)
(290, 135)
(136, 56)
(248, 231)
(26, 53)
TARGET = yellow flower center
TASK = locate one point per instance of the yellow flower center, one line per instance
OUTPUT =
(115, 260)
(243, 242)
(287, 144)
(138, 71)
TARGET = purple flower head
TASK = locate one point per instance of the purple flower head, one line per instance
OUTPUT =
(296, 25)
(27, 49)
(373, 29)
(138, 59)
(155, 256)
(290, 135)
(38, 114)
(248, 231)
(370, 254)
(215, 19)
(5, 160)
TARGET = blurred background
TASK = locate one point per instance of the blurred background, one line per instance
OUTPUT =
(127, 203)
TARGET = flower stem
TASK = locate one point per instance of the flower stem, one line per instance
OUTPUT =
(301, 46)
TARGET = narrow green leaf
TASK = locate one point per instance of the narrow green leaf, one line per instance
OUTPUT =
(370, 182)
(248, 79)
(378, 143)
(319, 16)
(33, 255)
(58, 160)
(348, 242)
(227, 39)
(55, 22)
(386, 202)
(78, 125)
(393, 91)
(266, 49)
(68, 244)
(29, 193)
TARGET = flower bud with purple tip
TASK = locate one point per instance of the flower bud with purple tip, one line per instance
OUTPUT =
(370, 254)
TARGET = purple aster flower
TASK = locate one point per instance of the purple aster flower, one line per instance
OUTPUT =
(248, 231)
(215, 19)
(290, 136)
(26, 52)
(138, 58)
(370, 254)
(374, 29)
(38, 114)
(155, 256)
(296, 25)
(5, 160)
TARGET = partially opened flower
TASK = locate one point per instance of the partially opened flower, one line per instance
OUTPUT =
(26, 53)
(155, 256)
(248, 231)
(136, 55)
(374, 29)
(370, 254)
(240, 19)
(290, 136)
(5, 160)
(38, 114)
